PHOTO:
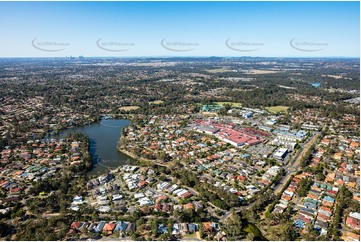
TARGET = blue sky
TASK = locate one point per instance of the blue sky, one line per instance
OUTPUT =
(270, 29)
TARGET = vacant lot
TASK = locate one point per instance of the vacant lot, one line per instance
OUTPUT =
(128, 108)
(156, 102)
(277, 109)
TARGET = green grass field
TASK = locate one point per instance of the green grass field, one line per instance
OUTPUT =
(156, 102)
(233, 104)
(277, 109)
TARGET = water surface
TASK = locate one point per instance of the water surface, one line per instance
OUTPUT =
(315, 84)
(103, 138)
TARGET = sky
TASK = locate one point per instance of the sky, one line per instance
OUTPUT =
(126, 29)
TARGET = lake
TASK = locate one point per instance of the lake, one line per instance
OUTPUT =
(103, 138)
(315, 84)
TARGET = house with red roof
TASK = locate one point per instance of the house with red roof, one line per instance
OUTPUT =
(75, 225)
(353, 223)
(187, 194)
(109, 227)
(142, 184)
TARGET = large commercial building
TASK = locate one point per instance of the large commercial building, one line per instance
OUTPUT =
(280, 154)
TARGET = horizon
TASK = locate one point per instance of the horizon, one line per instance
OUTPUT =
(202, 29)
(164, 57)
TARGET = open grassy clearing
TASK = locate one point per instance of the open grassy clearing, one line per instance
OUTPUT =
(277, 109)
(233, 104)
(128, 108)
(219, 70)
(262, 72)
(156, 102)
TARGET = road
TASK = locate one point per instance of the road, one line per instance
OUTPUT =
(292, 167)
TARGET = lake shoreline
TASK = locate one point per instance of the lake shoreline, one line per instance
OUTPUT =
(103, 136)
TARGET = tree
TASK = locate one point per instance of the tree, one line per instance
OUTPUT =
(154, 226)
(20, 213)
(115, 234)
(5, 229)
(163, 237)
(233, 226)
(311, 232)
(320, 176)
(201, 232)
(170, 227)
(304, 186)
(288, 232)
(50, 237)
(95, 216)
(140, 222)
(134, 236)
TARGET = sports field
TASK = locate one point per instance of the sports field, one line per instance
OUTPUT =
(277, 109)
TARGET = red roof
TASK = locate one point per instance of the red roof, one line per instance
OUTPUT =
(241, 178)
(75, 225)
(142, 183)
(326, 209)
(253, 141)
(322, 217)
(16, 189)
(304, 219)
(332, 192)
(187, 194)
(157, 206)
(109, 227)
(353, 223)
